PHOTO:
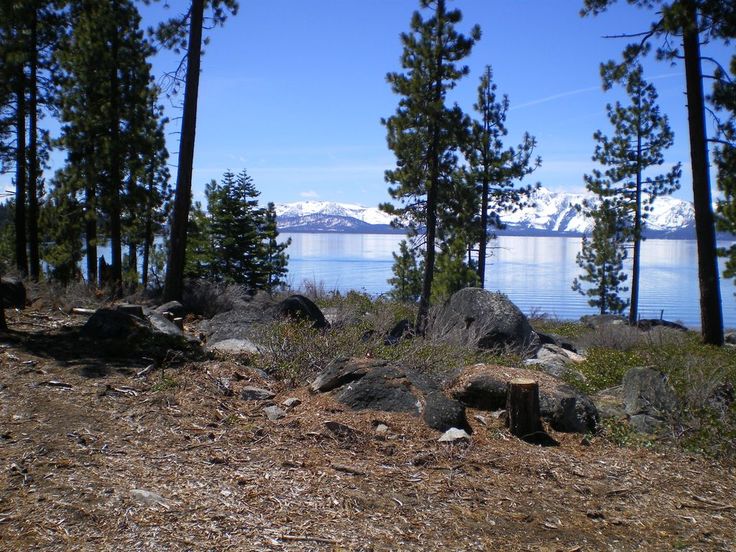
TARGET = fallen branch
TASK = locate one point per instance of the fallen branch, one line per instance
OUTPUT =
(307, 538)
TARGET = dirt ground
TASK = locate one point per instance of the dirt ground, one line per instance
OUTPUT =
(94, 458)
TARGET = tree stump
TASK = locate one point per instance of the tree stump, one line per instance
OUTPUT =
(522, 409)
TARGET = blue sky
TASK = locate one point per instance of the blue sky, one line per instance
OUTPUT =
(293, 91)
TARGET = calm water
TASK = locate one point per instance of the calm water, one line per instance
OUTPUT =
(535, 272)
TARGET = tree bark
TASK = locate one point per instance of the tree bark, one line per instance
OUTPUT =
(115, 183)
(432, 185)
(90, 218)
(174, 284)
(21, 256)
(522, 408)
(711, 315)
(35, 265)
(636, 265)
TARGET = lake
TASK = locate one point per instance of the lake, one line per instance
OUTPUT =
(535, 272)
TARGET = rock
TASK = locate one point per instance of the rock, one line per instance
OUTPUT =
(476, 317)
(291, 402)
(381, 429)
(597, 320)
(148, 498)
(647, 324)
(648, 391)
(241, 323)
(134, 310)
(483, 386)
(402, 330)
(163, 325)
(250, 393)
(553, 339)
(343, 370)
(342, 431)
(111, 323)
(13, 293)
(233, 347)
(298, 307)
(610, 403)
(174, 307)
(730, 338)
(556, 362)
(274, 413)
(366, 384)
(453, 435)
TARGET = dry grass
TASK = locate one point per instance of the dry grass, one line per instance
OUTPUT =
(231, 480)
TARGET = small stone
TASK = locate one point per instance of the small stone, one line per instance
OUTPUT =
(481, 419)
(274, 413)
(381, 429)
(251, 393)
(454, 434)
(148, 498)
(291, 402)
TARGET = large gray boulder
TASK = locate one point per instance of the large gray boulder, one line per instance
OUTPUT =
(366, 384)
(475, 317)
(483, 386)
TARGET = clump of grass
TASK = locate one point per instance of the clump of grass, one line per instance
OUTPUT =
(605, 368)
(208, 299)
(165, 383)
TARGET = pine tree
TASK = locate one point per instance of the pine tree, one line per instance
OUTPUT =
(693, 21)
(602, 258)
(640, 136)
(406, 283)
(110, 131)
(424, 133)
(495, 167)
(273, 260)
(237, 242)
(186, 32)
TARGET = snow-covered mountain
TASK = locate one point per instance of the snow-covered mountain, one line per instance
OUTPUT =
(548, 213)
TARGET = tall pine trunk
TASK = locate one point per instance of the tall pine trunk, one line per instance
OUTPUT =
(35, 265)
(21, 256)
(710, 294)
(174, 284)
(116, 271)
(636, 265)
(483, 245)
(90, 217)
(432, 185)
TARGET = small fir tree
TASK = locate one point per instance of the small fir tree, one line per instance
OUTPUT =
(602, 257)
(406, 283)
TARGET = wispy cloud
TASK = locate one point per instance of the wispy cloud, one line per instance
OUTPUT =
(556, 97)
(579, 91)
(309, 194)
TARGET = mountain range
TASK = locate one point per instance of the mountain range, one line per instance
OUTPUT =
(548, 214)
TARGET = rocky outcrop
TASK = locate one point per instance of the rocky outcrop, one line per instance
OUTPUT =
(557, 362)
(483, 386)
(366, 384)
(300, 308)
(475, 317)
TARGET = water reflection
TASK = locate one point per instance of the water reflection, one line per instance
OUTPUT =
(536, 273)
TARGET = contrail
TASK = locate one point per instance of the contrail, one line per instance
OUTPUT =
(581, 91)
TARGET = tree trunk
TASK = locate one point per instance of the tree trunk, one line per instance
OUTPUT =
(90, 219)
(115, 183)
(3, 323)
(21, 256)
(636, 265)
(35, 265)
(710, 293)
(432, 185)
(522, 408)
(174, 283)
(483, 232)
